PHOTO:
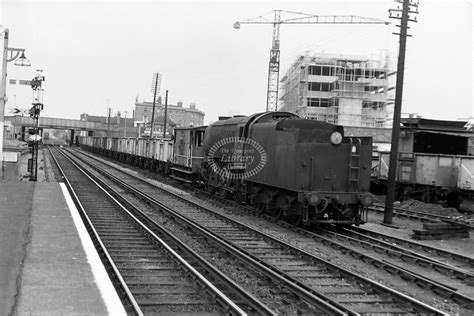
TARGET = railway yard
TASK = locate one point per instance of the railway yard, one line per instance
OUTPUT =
(336, 197)
(172, 249)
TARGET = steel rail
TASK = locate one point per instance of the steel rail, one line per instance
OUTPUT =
(400, 296)
(414, 245)
(258, 306)
(409, 214)
(421, 281)
(252, 301)
(422, 216)
(402, 254)
(309, 295)
(225, 301)
(125, 292)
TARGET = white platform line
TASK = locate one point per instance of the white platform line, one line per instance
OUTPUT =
(101, 278)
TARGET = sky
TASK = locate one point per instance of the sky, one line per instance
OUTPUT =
(99, 54)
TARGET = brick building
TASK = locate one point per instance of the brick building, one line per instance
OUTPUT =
(177, 114)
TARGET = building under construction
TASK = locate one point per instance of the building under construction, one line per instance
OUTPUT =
(340, 90)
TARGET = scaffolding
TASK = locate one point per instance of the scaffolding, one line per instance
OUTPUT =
(340, 90)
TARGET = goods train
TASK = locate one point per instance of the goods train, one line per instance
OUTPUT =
(300, 170)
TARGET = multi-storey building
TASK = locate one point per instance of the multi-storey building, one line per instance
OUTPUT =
(182, 117)
(340, 90)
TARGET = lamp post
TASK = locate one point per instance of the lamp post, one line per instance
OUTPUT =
(8, 55)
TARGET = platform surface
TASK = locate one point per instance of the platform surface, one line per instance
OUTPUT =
(46, 267)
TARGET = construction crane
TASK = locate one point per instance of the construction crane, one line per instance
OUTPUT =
(296, 18)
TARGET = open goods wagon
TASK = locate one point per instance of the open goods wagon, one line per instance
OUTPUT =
(428, 177)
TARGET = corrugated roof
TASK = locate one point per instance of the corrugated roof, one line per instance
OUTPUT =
(437, 125)
(460, 134)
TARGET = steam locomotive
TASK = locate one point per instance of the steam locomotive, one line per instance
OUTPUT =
(303, 171)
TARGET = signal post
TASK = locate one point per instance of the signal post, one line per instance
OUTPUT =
(35, 111)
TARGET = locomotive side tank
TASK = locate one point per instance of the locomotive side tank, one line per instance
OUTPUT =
(302, 170)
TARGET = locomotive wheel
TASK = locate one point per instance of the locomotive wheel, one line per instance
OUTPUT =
(295, 220)
(221, 193)
(211, 189)
(262, 208)
(433, 197)
(225, 194)
(239, 197)
(454, 199)
(277, 214)
(296, 215)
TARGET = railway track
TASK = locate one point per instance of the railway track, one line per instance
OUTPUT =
(440, 277)
(209, 250)
(148, 274)
(317, 281)
(420, 216)
(451, 260)
(456, 270)
(456, 267)
(457, 281)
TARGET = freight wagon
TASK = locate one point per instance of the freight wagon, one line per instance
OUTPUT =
(175, 156)
(428, 177)
(141, 152)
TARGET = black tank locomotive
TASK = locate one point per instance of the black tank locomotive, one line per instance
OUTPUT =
(303, 171)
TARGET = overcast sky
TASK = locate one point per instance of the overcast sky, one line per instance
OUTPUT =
(95, 53)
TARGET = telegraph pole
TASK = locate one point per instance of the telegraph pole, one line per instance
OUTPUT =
(153, 111)
(407, 6)
(166, 114)
(155, 88)
(108, 118)
(125, 127)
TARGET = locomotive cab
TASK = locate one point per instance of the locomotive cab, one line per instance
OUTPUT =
(188, 153)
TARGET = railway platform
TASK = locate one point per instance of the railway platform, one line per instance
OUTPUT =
(48, 265)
